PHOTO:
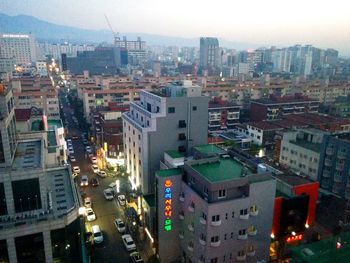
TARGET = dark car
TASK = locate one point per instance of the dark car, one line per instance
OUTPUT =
(94, 182)
(75, 137)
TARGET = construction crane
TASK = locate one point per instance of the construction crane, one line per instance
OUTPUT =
(115, 35)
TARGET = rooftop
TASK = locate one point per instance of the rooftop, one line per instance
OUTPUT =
(265, 125)
(285, 99)
(316, 147)
(209, 149)
(292, 180)
(52, 123)
(37, 125)
(168, 172)
(323, 251)
(221, 170)
(175, 154)
(28, 154)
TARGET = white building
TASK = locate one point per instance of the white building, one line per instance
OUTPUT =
(21, 47)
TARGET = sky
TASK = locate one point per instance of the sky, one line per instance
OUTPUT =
(266, 22)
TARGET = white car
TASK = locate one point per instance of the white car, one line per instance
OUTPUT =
(102, 174)
(93, 160)
(94, 168)
(84, 180)
(108, 193)
(97, 234)
(76, 169)
(128, 242)
(90, 214)
(119, 224)
(121, 199)
(72, 158)
(88, 202)
(88, 149)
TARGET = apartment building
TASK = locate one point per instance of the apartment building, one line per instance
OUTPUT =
(177, 118)
(215, 209)
(21, 47)
(301, 150)
(222, 115)
(39, 219)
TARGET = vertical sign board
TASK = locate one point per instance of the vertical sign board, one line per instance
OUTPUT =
(168, 208)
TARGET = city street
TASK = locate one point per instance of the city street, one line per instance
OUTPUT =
(112, 248)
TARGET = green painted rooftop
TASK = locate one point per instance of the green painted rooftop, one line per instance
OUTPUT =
(175, 154)
(209, 148)
(222, 170)
(57, 123)
(168, 172)
(323, 251)
(37, 125)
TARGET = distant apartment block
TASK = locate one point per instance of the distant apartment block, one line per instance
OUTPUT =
(209, 52)
(222, 115)
(20, 47)
(276, 107)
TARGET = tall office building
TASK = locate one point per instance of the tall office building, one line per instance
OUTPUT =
(174, 119)
(20, 47)
(209, 52)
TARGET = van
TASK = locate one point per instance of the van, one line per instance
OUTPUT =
(97, 234)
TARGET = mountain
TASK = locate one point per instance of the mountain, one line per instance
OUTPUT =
(46, 31)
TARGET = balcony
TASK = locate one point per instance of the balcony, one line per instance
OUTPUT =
(215, 244)
(191, 208)
(251, 253)
(339, 166)
(242, 237)
(202, 242)
(182, 198)
(328, 162)
(216, 223)
(338, 178)
(341, 155)
(244, 217)
(241, 258)
(191, 227)
(202, 221)
(326, 174)
(181, 216)
(329, 151)
(252, 231)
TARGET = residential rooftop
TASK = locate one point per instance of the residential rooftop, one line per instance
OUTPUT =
(53, 123)
(175, 154)
(209, 149)
(292, 180)
(316, 147)
(28, 155)
(169, 172)
(221, 170)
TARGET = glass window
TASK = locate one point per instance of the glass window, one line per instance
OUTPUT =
(171, 110)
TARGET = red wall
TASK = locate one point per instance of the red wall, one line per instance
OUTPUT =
(310, 189)
(277, 215)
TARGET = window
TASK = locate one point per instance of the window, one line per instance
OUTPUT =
(226, 216)
(214, 260)
(203, 237)
(139, 137)
(214, 239)
(147, 123)
(233, 214)
(182, 124)
(171, 110)
(194, 108)
(215, 218)
(242, 232)
(231, 235)
(243, 212)
(204, 216)
(182, 137)
(241, 253)
(225, 236)
(222, 193)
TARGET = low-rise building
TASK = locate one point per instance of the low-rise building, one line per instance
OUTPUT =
(222, 115)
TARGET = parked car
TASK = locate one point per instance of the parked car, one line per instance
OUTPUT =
(94, 182)
(90, 214)
(84, 180)
(121, 199)
(76, 169)
(88, 149)
(75, 137)
(87, 202)
(93, 160)
(108, 193)
(135, 257)
(72, 158)
(119, 224)
(97, 234)
(94, 168)
(128, 242)
(102, 174)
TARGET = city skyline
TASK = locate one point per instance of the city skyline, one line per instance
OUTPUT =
(268, 23)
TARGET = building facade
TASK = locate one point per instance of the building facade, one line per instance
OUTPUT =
(209, 52)
(21, 47)
(176, 119)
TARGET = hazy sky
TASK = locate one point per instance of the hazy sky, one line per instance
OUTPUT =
(321, 23)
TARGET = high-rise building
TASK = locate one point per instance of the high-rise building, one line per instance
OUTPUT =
(136, 50)
(209, 52)
(175, 119)
(20, 47)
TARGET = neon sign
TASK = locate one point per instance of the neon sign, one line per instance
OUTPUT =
(294, 238)
(168, 205)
